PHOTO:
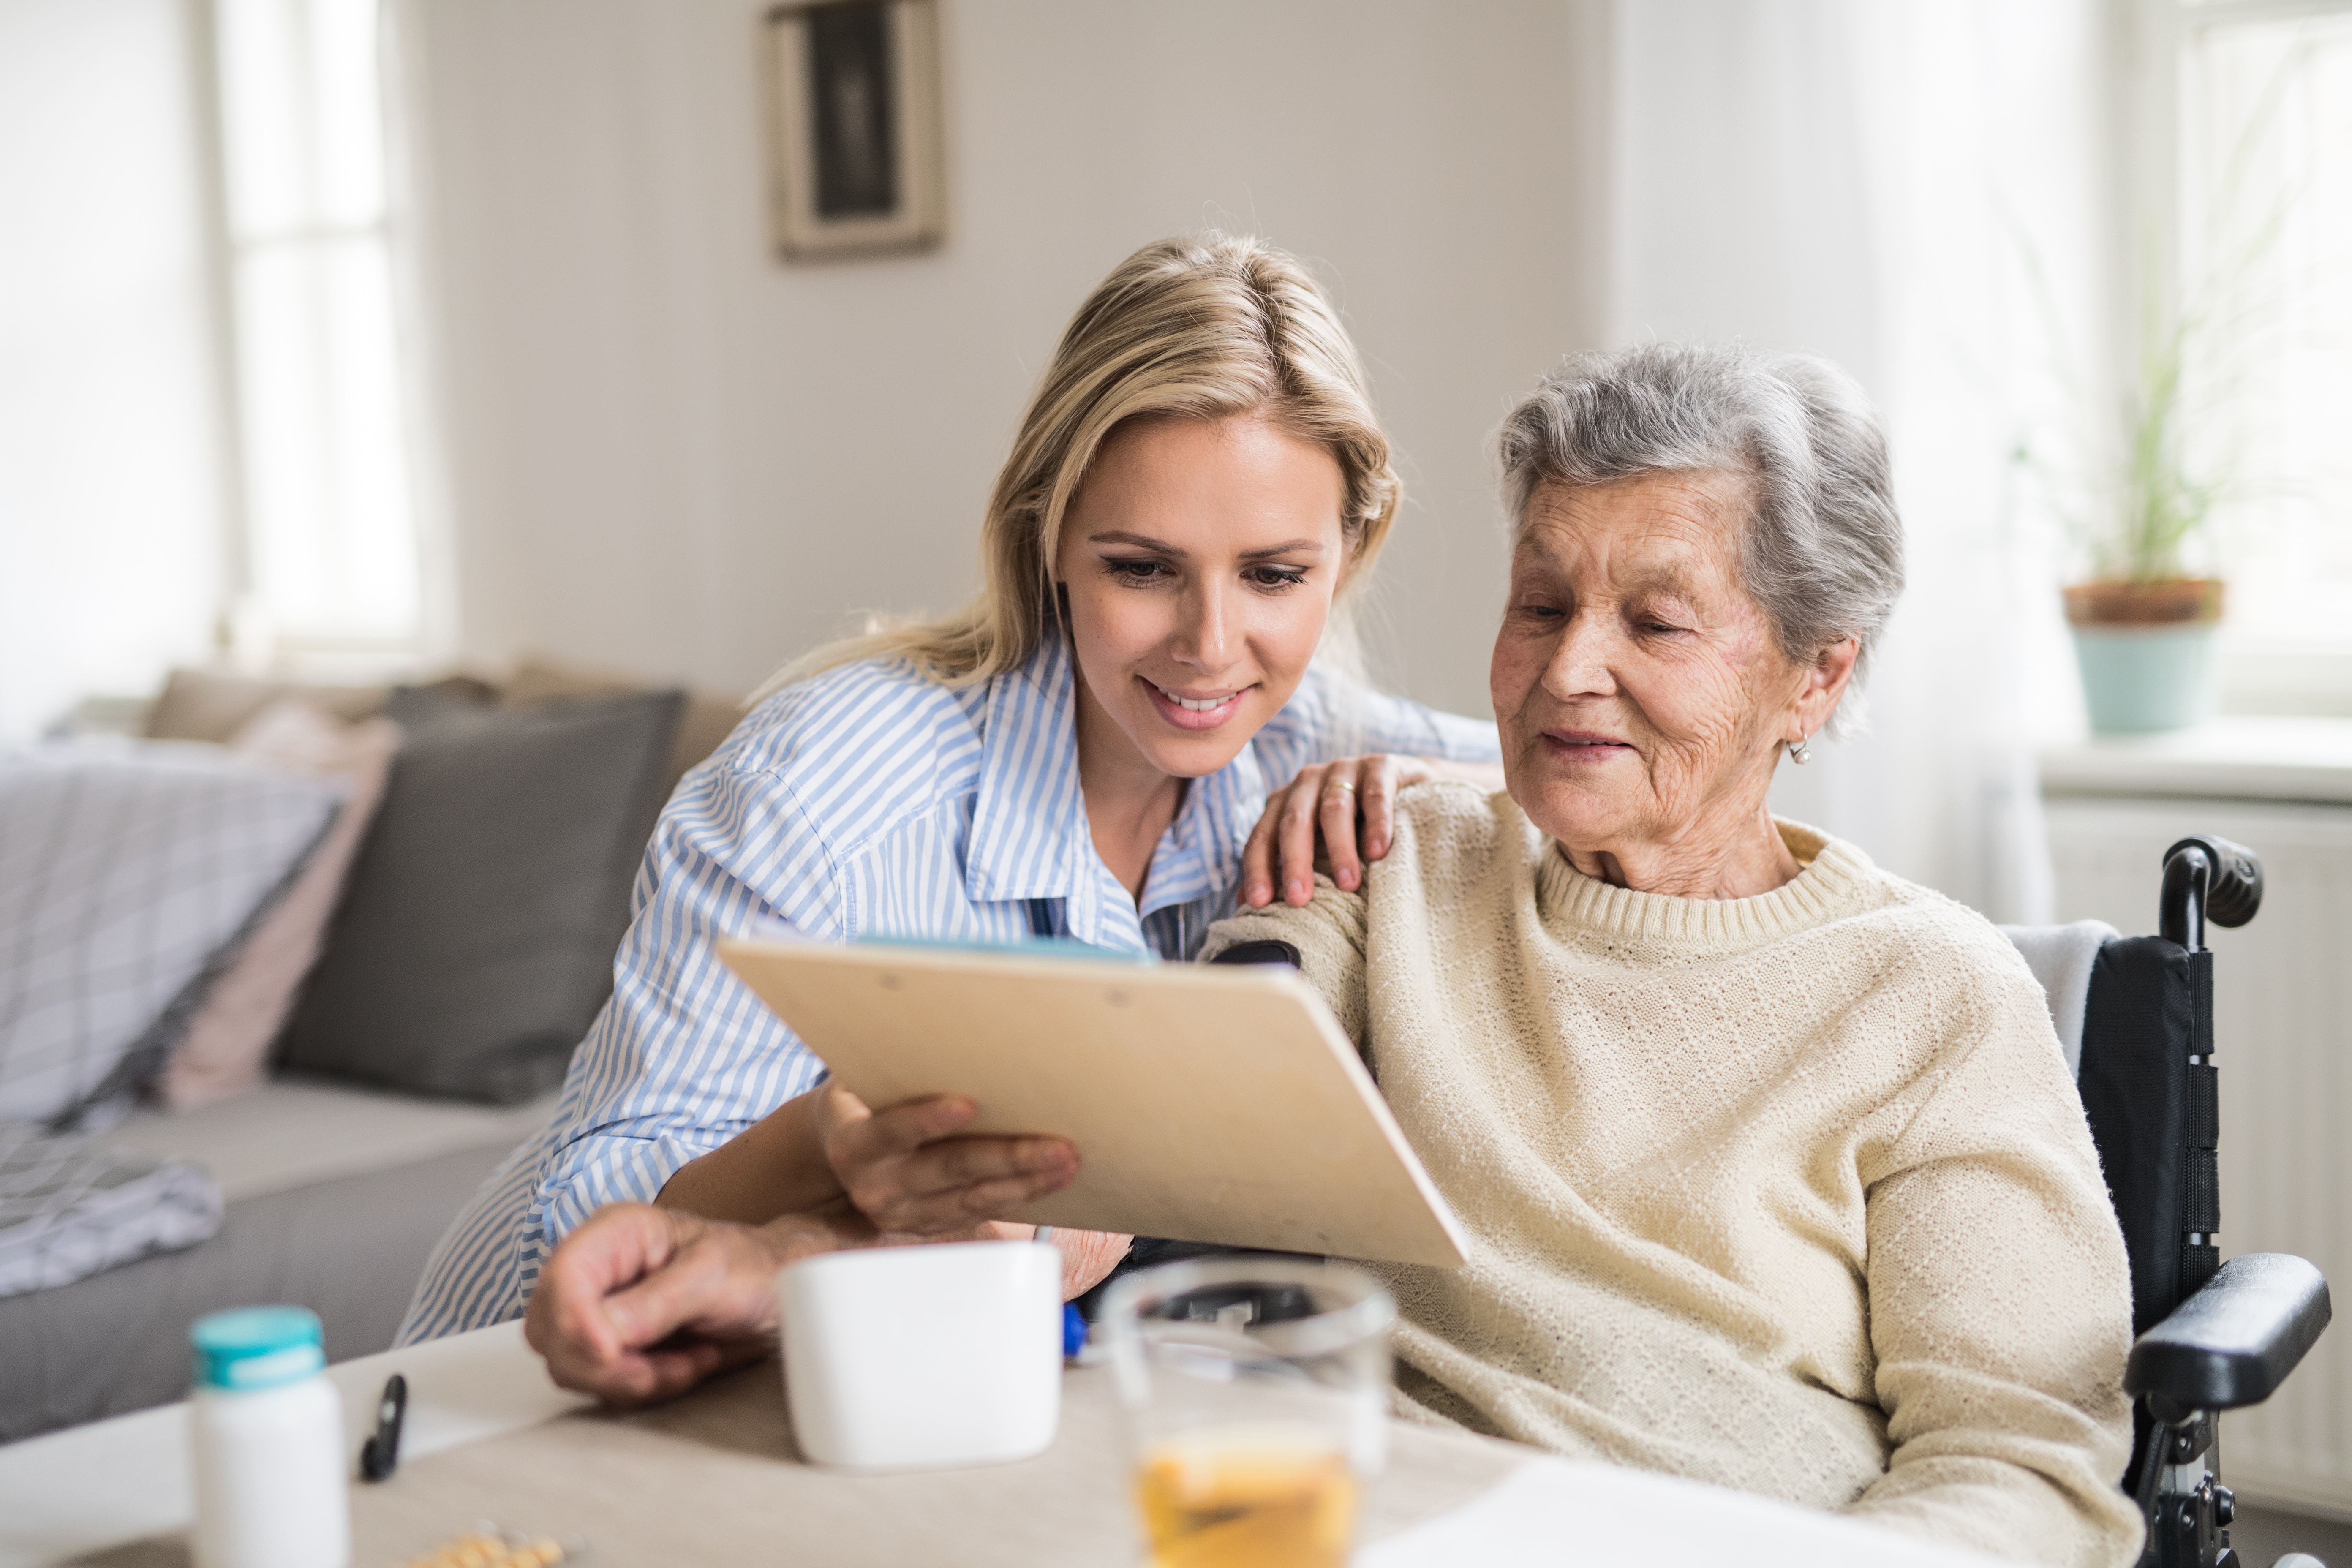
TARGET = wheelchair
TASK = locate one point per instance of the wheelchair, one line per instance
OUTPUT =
(2210, 1336)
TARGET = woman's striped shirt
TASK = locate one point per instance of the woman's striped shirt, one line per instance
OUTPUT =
(869, 800)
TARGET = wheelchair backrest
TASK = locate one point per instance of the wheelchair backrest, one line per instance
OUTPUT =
(2141, 1045)
(2148, 1086)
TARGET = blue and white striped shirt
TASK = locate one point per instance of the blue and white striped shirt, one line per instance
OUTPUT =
(869, 800)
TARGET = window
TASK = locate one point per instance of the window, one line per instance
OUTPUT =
(2261, 265)
(330, 565)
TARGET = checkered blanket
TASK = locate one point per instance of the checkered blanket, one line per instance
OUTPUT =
(72, 1207)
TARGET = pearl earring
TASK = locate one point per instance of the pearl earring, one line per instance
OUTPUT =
(1800, 751)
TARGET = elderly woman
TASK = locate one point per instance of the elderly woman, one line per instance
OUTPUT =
(1775, 1173)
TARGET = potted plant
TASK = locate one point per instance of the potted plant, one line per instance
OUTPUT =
(2144, 626)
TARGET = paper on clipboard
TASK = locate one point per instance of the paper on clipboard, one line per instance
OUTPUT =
(1214, 1103)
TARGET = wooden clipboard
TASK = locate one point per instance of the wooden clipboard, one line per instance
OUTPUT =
(1214, 1103)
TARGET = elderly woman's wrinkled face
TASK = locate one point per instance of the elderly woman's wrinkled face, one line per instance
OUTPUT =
(1641, 694)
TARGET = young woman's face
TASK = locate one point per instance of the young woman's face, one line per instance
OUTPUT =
(1200, 558)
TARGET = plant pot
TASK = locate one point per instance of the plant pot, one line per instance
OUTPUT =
(2146, 651)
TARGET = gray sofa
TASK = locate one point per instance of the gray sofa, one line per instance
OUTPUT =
(470, 949)
(335, 1197)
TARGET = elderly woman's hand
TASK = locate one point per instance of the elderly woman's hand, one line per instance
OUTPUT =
(1350, 803)
(641, 1303)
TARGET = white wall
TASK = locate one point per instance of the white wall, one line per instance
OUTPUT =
(671, 453)
(110, 506)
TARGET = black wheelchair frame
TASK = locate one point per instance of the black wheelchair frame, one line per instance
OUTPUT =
(2212, 1336)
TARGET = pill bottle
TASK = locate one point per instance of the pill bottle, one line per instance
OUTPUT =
(268, 1435)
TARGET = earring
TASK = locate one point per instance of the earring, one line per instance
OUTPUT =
(1801, 751)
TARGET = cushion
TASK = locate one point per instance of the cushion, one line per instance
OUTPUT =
(225, 1050)
(702, 729)
(211, 705)
(215, 705)
(475, 942)
(128, 869)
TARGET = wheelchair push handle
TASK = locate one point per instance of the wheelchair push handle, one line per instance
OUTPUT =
(2207, 879)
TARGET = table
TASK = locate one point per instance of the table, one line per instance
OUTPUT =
(111, 1482)
(713, 1477)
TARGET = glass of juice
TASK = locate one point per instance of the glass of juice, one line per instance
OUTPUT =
(1257, 1391)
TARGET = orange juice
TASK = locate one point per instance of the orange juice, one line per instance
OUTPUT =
(1245, 1499)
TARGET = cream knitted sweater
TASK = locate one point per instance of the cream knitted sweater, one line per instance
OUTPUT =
(1790, 1193)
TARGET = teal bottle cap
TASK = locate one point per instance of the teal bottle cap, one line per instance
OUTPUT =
(256, 1347)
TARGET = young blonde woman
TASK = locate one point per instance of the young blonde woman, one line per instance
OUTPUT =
(1125, 736)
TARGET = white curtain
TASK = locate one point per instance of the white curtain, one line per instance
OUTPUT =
(1915, 188)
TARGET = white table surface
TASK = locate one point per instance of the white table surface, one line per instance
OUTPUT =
(97, 1486)
(112, 1481)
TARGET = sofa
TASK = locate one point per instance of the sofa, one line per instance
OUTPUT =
(464, 946)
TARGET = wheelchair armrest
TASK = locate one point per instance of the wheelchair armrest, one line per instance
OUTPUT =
(2233, 1342)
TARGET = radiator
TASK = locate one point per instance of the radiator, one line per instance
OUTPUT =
(2283, 1043)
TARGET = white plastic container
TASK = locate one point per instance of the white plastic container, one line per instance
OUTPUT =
(907, 1358)
(271, 1487)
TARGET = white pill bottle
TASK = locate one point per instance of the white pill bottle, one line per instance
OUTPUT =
(267, 1426)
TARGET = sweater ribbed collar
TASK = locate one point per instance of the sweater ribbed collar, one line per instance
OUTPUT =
(1836, 881)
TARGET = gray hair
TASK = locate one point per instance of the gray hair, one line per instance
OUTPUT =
(1822, 550)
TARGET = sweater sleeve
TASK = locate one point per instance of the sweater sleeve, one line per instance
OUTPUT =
(2000, 1308)
(1328, 934)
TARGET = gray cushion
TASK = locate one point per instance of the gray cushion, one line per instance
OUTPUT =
(128, 869)
(475, 941)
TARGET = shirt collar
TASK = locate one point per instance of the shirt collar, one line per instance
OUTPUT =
(1029, 820)
(1029, 837)
(1201, 850)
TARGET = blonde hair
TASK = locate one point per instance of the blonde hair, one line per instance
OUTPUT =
(1193, 328)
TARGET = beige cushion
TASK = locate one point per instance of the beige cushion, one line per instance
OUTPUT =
(211, 705)
(702, 729)
(226, 1048)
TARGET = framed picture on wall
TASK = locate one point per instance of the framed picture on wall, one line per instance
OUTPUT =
(853, 127)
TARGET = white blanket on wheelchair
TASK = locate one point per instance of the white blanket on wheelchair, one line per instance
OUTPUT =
(2061, 958)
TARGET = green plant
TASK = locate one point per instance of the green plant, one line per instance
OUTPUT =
(2138, 503)
(2164, 500)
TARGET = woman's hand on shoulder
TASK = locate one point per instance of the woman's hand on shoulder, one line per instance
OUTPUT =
(1351, 803)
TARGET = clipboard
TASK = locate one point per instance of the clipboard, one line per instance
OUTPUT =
(1211, 1103)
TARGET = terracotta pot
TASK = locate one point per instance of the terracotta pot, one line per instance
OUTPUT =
(2161, 602)
(2145, 650)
